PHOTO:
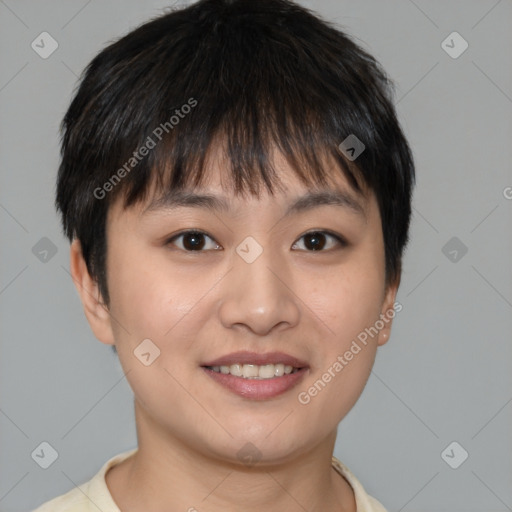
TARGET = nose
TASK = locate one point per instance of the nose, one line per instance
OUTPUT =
(258, 295)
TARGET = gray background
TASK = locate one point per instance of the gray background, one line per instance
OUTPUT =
(446, 373)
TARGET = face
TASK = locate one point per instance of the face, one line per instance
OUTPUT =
(257, 277)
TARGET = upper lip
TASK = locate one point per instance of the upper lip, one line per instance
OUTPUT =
(246, 357)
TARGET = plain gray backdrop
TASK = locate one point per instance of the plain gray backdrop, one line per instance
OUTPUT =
(445, 375)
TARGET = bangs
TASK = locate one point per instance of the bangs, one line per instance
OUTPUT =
(243, 140)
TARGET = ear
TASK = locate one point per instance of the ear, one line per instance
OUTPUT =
(388, 312)
(95, 310)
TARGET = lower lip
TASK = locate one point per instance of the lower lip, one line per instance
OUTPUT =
(257, 389)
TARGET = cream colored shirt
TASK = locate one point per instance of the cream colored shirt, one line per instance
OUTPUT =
(94, 494)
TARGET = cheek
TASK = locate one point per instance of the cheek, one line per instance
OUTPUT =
(351, 305)
(349, 302)
(147, 304)
(143, 297)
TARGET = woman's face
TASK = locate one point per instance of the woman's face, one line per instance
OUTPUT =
(260, 276)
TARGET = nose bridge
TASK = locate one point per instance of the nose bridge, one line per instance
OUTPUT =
(257, 264)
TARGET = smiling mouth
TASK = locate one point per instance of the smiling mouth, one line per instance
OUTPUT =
(254, 371)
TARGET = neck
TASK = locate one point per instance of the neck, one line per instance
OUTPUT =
(166, 474)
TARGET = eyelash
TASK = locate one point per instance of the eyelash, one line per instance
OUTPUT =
(341, 241)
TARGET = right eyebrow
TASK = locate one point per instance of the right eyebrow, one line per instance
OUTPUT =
(180, 198)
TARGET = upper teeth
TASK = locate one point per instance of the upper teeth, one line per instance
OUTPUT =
(253, 371)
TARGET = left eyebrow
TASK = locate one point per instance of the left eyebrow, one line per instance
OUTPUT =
(313, 200)
(307, 202)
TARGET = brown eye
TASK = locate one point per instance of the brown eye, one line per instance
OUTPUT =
(193, 241)
(316, 241)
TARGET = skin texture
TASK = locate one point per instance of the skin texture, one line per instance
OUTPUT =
(197, 306)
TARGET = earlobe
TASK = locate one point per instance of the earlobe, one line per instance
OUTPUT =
(387, 313)
(96, 312)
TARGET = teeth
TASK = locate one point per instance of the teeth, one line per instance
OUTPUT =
(249, 370)
(235, 369)
(253, 371)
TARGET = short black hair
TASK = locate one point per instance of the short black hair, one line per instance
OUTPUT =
(251, 75)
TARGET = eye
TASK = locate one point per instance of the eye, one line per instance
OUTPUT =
(315, 240)
(193, 240)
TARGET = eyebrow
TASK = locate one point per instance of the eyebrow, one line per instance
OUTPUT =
(309, 201)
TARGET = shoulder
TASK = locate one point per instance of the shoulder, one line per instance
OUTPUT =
(72, 501)
(89, 496)
(364, 502)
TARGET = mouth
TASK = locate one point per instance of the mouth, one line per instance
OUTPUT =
(257, 376)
